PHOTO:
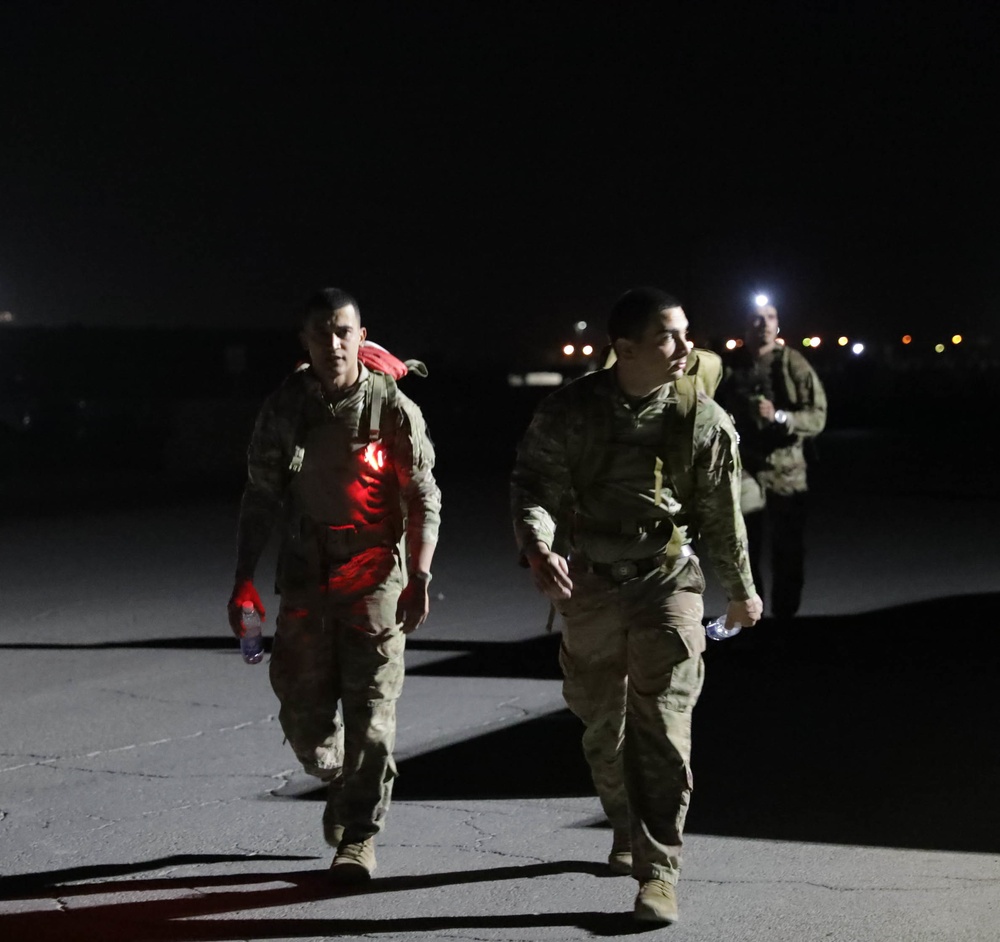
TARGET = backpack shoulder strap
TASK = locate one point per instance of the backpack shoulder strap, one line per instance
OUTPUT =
(706, 370)
(677, 448)
(786, 371)
(382, 392)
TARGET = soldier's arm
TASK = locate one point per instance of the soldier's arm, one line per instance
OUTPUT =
(267, 477)
(808, 416)
(419, 493)
(717, 502)
(540, 482)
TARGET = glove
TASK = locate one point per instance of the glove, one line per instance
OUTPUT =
(378, 358)
(243, 593)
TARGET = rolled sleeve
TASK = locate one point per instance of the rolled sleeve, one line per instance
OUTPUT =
(717, 471)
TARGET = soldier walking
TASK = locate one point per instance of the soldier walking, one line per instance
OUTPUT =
(778, 403)
(632, 464)
(343, 458)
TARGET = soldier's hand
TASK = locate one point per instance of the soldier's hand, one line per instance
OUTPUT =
(243, 592)
(766, 408)
(549, 572)
(746, 613)
(414, 605)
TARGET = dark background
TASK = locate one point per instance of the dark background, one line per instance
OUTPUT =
(494, 171)
(175, 178)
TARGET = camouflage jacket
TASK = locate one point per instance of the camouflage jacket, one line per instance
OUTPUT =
(773, 453)
(307, 459)
(630, 481)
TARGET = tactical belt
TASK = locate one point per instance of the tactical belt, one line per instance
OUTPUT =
(338, 544)
(623, 570)
(621, 527)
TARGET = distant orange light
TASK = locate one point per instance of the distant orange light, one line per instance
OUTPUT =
(907, 338)
(569, 349)
(843, 341)
(957, 339)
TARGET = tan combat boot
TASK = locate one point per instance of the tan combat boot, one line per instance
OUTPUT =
(620, 858)
(656, 902)
(354, 861)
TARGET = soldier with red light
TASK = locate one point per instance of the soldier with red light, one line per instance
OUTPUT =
(343, 458)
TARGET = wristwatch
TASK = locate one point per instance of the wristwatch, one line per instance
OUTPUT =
(781, 417)
(424, 577)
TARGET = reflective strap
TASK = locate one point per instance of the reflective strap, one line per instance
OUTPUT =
(658, 482)
(676, 547)
(378, 393)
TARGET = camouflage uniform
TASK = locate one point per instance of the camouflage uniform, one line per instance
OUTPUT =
(703, 366)
(774, 455)
(339, 574)
(632, 642)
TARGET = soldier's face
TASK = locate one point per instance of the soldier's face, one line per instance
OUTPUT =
(332, 341)
(764, 326)
(662, 351)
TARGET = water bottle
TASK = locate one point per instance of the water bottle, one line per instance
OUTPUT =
(717, 630)
(251, 639)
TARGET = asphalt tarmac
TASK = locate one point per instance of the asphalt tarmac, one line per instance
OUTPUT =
(846, 768)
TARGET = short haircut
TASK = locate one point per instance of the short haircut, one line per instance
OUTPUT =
(634, 310)
(325, 302)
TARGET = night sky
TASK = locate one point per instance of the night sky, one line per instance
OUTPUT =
(485, 174)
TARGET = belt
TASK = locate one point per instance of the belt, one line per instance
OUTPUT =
(623, 570)
(338, 544)
(622, 526)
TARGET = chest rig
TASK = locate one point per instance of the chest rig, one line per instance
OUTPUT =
(380, 390)
(340, 470)
(672, 462)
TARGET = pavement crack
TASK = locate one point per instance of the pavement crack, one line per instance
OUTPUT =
(131, 694)
(151, 775)
(484, 835)
(974, 879)
(270, 719)
(867, 888)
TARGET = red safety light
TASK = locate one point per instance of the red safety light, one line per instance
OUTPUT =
(374, 456)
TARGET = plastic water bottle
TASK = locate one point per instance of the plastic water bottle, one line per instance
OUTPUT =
(717, 630)
(251, 639)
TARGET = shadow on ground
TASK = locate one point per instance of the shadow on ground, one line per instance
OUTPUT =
(176, 919)
(873, 729)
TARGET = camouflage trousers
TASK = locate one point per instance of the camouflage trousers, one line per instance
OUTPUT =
(339, 642)
(632, 672)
